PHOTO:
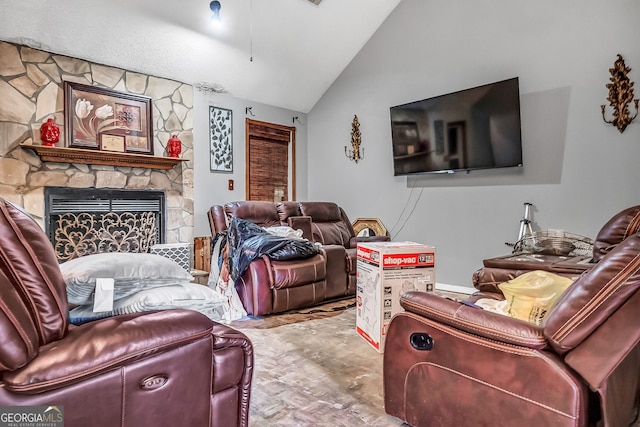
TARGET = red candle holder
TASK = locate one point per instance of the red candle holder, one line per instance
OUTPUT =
(174, 146)
(49, 133)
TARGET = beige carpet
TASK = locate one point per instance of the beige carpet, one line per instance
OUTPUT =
(315, 371)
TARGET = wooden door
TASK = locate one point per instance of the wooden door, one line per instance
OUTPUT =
(270, 161)
(457, 145)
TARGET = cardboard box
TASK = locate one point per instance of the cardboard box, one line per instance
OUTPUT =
(385, 271)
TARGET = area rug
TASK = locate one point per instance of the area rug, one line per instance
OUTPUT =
(295, 316)
(315, 372)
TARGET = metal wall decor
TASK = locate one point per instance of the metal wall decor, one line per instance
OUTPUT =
(354, 153)
(374, 227)
(220, 139)
(620, 96)
(87, 233)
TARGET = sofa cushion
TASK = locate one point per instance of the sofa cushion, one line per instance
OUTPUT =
(352, 261)
(287, 210)
(618, 228)
(299, 273)
(595, 296)
(263, 214)
(30, 265)
(329, 225)
(321, 211)
(17, 328)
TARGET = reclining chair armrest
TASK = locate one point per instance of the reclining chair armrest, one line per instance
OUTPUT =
(102, 345)
(217, 219)
(301, 223)
(487, 279)
(233, 368)
(227, 341)
(477, 321)
(353, 242)
(225, 337)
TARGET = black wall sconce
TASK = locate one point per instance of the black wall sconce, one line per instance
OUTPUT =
(620, 96)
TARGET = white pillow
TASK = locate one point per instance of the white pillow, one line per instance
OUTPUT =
(284, 231)
(131, 272)
(184, 295)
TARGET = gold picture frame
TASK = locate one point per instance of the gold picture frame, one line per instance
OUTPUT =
(112, 142)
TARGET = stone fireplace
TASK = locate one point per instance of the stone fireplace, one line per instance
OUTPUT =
(87, 221)
(31, 91)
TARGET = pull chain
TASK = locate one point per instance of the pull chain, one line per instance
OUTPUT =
(250, 30)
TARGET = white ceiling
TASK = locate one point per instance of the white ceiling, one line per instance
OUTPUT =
(298, 48)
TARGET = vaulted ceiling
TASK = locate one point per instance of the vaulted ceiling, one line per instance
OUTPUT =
(284, 53)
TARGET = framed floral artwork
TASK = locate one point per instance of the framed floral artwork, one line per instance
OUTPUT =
(220, 139)
(101, 119)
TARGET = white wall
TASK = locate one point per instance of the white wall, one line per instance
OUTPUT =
(578, 171)
(211, 188)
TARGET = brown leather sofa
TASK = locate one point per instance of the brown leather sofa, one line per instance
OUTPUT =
(167, 368)
(269, 286)
(497, 270)
(450, 364)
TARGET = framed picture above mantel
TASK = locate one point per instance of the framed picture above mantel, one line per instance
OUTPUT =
(107, 120)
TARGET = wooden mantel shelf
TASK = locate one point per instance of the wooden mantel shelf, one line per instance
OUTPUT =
(96, 157)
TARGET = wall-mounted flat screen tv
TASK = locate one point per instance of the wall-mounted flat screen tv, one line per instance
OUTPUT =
(477, 128)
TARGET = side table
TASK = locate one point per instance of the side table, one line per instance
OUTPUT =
(200, 277)
(552, 263)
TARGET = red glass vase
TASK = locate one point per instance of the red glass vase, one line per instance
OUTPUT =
(174, 146)
(50, 133)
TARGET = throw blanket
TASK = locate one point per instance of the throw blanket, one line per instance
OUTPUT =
(248, 241)
(220, 282)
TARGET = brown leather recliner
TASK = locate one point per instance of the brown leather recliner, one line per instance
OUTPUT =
(497, 270)
(166, 368)
(269, 286)
(331, 227)
(450, 364)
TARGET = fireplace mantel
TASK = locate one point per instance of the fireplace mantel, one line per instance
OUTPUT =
(96, 157)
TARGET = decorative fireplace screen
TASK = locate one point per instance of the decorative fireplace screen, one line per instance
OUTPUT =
(86, 221)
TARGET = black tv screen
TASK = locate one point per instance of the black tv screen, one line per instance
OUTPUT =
(477, 128)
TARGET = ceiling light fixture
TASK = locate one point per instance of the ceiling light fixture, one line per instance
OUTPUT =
(215, 9)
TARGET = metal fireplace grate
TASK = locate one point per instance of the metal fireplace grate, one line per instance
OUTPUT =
(84, 221)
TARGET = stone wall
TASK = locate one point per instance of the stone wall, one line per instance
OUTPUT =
(31, 90)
